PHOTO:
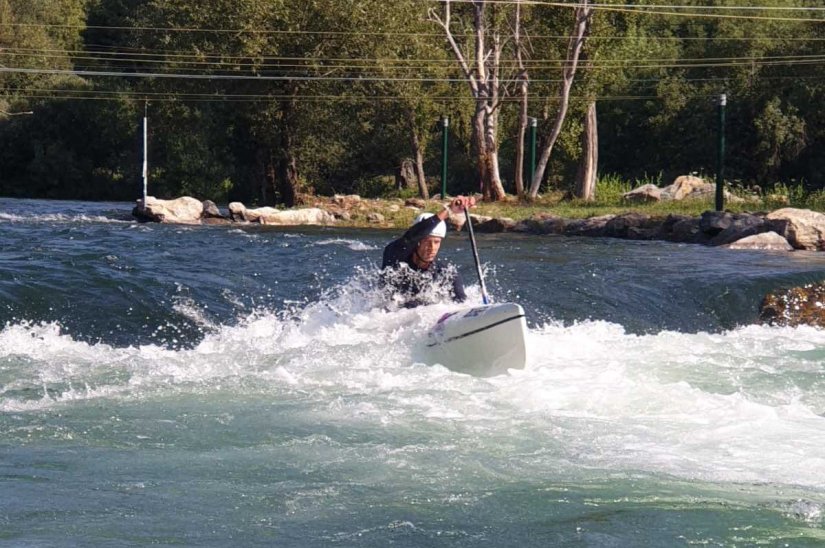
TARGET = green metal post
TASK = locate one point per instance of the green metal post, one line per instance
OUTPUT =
(720, 160)
(445, 124)
(534, 123)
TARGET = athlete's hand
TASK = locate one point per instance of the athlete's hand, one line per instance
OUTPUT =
(460, 203)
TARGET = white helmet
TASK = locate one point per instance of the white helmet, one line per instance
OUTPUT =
(440, 229)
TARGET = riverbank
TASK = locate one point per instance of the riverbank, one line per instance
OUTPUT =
(783, 229)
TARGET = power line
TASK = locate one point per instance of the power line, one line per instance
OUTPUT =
(367, 63)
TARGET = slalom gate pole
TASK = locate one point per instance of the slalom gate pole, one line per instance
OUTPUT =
(484, 297)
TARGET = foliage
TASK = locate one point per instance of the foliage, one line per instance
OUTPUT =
(326, 95)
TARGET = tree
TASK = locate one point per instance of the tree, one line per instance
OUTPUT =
(581, 17)
(481, 67)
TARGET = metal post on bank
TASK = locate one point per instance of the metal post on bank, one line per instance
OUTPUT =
(720, 158)
(445, 124)
(145, 151)
(534, 122)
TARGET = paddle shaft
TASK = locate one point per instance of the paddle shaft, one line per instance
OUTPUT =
(475, 256)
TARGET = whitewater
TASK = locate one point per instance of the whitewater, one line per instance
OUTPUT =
(251, 386)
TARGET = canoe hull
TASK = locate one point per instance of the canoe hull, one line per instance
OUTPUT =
(482, 341)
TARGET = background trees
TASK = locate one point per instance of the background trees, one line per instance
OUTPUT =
(263, 100)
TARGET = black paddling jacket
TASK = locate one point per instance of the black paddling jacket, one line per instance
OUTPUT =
(411, 284)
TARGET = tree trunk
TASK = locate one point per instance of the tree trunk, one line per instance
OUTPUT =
(483, 78)
(523, 104)
(418, 150)
(581, 28)
(264, 176)
(588, 167)
(288, 176)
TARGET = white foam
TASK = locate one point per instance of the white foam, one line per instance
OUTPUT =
(741, 406)
(59, 218)
(354, 245)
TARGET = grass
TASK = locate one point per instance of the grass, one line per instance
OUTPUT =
(609, 191)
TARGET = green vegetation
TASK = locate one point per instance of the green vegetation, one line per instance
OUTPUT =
(263, 100)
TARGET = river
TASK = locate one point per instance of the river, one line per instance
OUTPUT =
(243, 386)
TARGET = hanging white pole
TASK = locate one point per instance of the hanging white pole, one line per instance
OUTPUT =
(145, 152)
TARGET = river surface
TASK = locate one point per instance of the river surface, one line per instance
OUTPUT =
(245, 386)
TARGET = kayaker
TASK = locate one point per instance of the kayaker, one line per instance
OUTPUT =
(409, 267)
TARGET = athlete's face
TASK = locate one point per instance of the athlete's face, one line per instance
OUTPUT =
(428, 248)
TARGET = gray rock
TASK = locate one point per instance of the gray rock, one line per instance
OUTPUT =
(643, 194)
(741, 226)
(714, 222)
(211, 211)
(374, 217)
(803, 228)
(766, 241)
(503, 224)
(631, 225)
(593, 226)
(183, 210)
(541, 224)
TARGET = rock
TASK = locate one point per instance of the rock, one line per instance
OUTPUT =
(741, 226)
(631, 225)
(593, 226)
(803, 228)
(271, 216)
(688, 231)
(211, 211)
(394, 208)
(237, 212)
(503, 224)
(541, 224)
(216, 221)
(684, 186)
(292, 217)
(714, 222)
(767, 241)
(348, 201)
(478, 219)
(375, 218)
(415, 202)
(183, 210)
(644, 194)
(796, 306)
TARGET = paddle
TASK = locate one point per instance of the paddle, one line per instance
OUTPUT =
(475, 256)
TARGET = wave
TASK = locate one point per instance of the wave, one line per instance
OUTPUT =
(62, 218)
(743, 406)
(355, 245)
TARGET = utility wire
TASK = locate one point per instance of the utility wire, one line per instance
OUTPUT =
(328, 63)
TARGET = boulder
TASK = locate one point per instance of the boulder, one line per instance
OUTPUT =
(687, 231)
(686, 186)
(272, 216)
(714, 222)
(644, 194)
(415, 202)
(803, 228)
(593, 226)
(375, 218)
(541, 224)
(211, 211)
(183, 210)
(741, 226)
(348, 201)
(631, 225)
(766, 241)
(796, 306)
(503, 224)
(237, 212)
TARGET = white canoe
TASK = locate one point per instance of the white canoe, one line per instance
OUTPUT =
(483, 341)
